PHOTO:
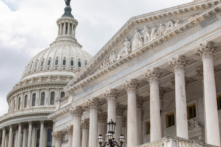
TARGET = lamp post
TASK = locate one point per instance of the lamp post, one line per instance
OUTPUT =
(110, 139)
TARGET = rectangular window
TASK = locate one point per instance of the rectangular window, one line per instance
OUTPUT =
(170, 119)
(191, 111)
(219, 102)
(147, 127)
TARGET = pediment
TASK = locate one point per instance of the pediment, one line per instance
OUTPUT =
(142, 33)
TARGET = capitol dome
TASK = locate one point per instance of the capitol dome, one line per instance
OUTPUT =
(41, 87)
(61, 59)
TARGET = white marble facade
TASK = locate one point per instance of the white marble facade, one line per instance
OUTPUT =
(158, 78)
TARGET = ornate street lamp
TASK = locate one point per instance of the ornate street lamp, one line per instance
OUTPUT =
(110, 137)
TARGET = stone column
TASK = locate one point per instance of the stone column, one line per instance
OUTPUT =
(162, 93)
(178, 64)
(140, 102)
(53, 142)
(130, 87)
(10, 136)
(155, 122)
(60, 29)
(41, 133)
(93, 106)
(69, 28)
(119, 121)
(3, 137)
(111, 103)
(85, 132)
(77, 112)
(19, 134)
(102, 123)
(29, 133)
(58, 136)
(24, 137)
(124, 130)
(212, 133)
(69, 130)
(64, 29)
(6, 140)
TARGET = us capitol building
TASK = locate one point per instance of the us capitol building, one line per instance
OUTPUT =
(158, 78)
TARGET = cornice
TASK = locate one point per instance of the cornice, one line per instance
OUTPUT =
(60, 112)
(76, 83)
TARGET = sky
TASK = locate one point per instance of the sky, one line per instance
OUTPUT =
(29, 26)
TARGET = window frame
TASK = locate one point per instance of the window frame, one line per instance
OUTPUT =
(42, 97)
(190, 106)
(26, 101)
(218, 101)
(167, 119)
(51, 98)
(33, 101)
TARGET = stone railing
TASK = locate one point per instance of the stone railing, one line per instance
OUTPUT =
(175, 142)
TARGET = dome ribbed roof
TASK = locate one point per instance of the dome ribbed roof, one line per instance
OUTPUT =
(60, 58)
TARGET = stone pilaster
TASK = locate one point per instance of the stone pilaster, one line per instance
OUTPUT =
(178, 63)
(77, 113)
(212, 134)
(153, 76)
(111, 102)
(131, 86)
(69, 130)
(140, 101)
(85, 132)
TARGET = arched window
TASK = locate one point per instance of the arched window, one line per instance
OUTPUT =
(14, 139)
(19, 103)
(36, 64)
(26, 101)
(38, 138)
(62, 94)
(56, 62)
(49, 138)
(52, 98)
(33, 99)
(72, 63)
(42, 98)
(42, 62)
(49, 62)
(79, 63)
(64, 62)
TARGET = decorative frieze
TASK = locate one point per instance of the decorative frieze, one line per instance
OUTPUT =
(206, 49)
(178, 63)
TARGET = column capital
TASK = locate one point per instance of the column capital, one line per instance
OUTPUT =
(94, 103)
(153, 74)
(120, 109)
(102, 117)
(178, 63)
(69, 129)
(77, 111)
(58, 135)
(140, 101)
(85, 124)
(131, 85)
(206, 49)
(110, 94)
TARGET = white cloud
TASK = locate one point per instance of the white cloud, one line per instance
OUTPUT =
(29, 26)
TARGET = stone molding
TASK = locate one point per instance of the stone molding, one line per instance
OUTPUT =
(178, 63)
(58, 135)
(206, 49)
(85, 124)
(77, 111)
(182, 28)
(130, 85)
(60, 112)
(102, 117)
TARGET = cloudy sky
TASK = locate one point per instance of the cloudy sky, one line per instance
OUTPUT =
(29, 26)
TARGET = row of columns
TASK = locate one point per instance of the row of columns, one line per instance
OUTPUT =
(27, 139)
(70, 29)
(133, 114)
